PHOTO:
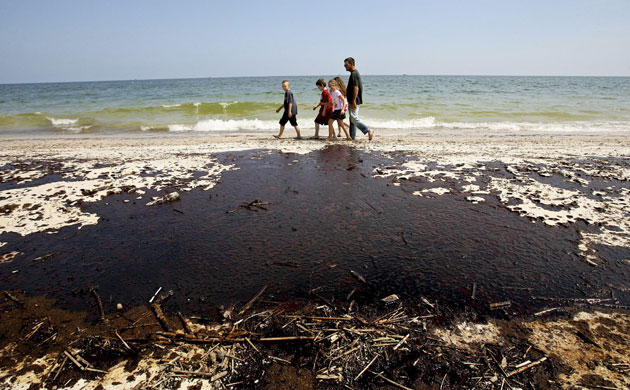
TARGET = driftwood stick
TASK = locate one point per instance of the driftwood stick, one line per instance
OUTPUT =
(527, 367)
(155, 295)
(505, 375)
(235, 358)
(35, 329)
(279, 359)
(366, 367)
(11, 297)
(248, 305)
(202, 374)
(499, 305)
(122, 340)
(320, 318)
(401, 342)
(358, 276)
(346, 353)
(100, 304)
(546, 311)
(157, 310)
(73, 360)
(252, 345)
(185, 323)
(195, 340)
(63, 363)
(288, 338)
(380, 375)
(96, 370)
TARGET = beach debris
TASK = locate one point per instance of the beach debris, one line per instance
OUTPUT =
(251, 302)
(185, 323)
(11, 297)
(159, 314)
(44, 257)
(402, 235)
(358, 276)
(546, 311)
(155, 295)
(500, 305)
(349, 349)
(254, 205)
(525, 367)
(9, 257)
(390, 298)
(99, 303)
(168, 198)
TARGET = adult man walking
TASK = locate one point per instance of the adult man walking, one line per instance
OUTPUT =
(354, 93)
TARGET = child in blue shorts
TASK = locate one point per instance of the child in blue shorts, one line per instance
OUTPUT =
(290, 110)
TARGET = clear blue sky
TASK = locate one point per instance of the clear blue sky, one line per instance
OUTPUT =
(64, 40)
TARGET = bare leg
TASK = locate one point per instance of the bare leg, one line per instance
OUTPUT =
(342, 126)
(316, 136)
(297, 130)
(281, 131)
(331, 130)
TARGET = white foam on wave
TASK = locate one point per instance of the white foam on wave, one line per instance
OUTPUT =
(545, 127)
(62, 122)
(171, 105)
(394, 126)
(422, 123)
(226, 105)
(227, 125)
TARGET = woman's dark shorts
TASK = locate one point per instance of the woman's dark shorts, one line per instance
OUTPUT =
(285, 118)
(337, 115)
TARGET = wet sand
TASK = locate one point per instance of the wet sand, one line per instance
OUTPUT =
(493, 229)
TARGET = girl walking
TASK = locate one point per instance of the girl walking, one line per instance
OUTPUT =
(340, 105)
(325, 107)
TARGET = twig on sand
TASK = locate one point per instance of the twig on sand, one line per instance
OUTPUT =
(366, 367)
(279, 359)
(100, 304)
(500, 305)
(122, 340)
(252, 345)
(527, 367)
(63, 363)
(73, 360)
(254, 205)
(358, 276)
(251, 302)
(287, 338)
(11, 297)
(391, 382)
(202, 374)
(185, 323)
(546, 311)
(157, 310)
(155, 295)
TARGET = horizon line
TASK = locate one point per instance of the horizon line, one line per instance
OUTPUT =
(279, 76)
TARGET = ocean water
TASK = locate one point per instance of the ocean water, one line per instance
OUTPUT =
(246, 105)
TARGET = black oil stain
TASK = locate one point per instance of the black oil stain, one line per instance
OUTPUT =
(323, 216)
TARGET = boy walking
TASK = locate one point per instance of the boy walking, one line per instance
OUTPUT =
(290, 110)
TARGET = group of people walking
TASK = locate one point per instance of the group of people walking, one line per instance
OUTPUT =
(333, 106)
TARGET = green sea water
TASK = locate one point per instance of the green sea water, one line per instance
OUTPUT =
(243, 105)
